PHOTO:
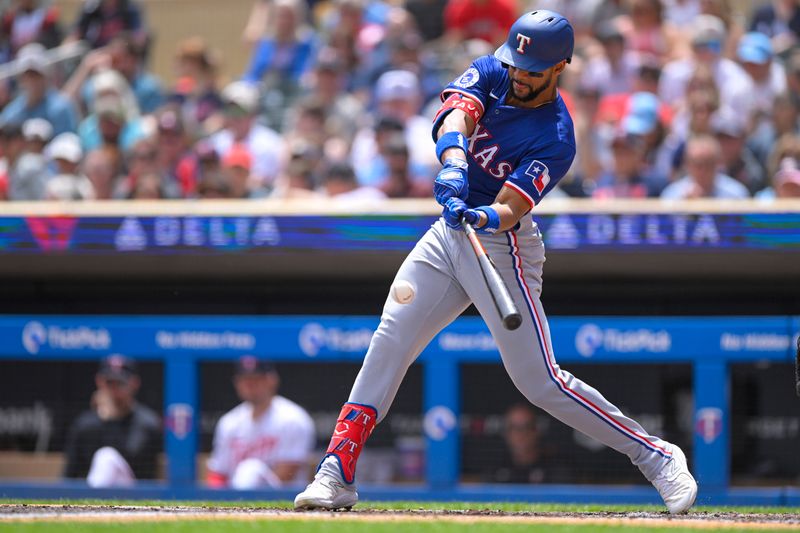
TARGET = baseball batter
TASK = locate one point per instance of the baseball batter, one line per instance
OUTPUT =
(505, 138)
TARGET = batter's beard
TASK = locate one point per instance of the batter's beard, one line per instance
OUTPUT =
(533, 93)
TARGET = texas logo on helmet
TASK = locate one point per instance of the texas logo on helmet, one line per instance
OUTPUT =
(523, 41)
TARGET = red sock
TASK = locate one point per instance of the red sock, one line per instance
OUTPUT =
(354, 426)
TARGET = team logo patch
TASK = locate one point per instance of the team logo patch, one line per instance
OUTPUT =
(539, 174)
(468, 79)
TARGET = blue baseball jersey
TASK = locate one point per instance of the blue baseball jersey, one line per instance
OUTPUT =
(529, 150)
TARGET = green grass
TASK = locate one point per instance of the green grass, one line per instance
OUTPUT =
(343, 523)
(404, 505)
(334, 526)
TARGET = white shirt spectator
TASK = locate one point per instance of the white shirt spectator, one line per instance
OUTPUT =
(735, 86)
(265, 146)
(725, 187)
(283, 434)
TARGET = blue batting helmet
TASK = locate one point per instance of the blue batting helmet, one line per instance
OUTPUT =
(537, 41)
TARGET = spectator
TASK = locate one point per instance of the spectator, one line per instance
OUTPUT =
(738, 161)
(627, 177)
(114, 115)
(779, 20)
(399, 181)
(37, 133)
(264, 441)
(428, 17)
(196, 90)
(68, 183)
(734, 26)
(614, 69)
(397, 95)
(784, 120)
(213, 186)
(296, 179)
(647, 32)
(176, 164)
(326, 86)
(150, 186)
(125, 56)
(26, 172)
(102, 20)
(703, 179)
(100, 166)
(339, 182)
(282, 57)
(28, 21)
(785, 183)
(116, 442)
(525, 459)
(769, 77)
(786, 152)
(37, 99)
(236, 166)
(240, 109)
(479, 19)
(681, 13)
(735, 87)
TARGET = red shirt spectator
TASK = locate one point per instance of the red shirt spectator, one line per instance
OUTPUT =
(488, 20)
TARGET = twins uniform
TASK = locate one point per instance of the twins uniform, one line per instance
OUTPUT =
(245, 449)
(528, 150)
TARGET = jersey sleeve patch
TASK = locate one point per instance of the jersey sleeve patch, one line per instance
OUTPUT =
(468, 79)
(539, 174)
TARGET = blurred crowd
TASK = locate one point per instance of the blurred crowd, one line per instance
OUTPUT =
(670, 98)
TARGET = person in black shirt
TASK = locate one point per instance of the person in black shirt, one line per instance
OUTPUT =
(525, 459)
(115, 442)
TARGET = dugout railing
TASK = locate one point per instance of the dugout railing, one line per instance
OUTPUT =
(709, 344)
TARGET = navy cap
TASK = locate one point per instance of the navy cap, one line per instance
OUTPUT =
(117, 367)
(250, 364)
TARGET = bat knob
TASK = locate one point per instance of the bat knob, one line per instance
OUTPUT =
(512, 322)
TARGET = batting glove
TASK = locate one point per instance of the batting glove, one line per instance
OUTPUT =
(454, 210)
(451, 182)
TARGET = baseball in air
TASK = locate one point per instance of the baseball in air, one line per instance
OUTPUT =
(402, 292)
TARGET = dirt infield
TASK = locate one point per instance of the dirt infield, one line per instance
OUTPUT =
(104, 513)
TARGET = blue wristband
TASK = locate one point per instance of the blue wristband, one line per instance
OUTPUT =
(451, 139)
(492, 220)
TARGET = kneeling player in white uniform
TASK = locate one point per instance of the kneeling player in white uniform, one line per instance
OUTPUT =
(264, 441)
(505, 138)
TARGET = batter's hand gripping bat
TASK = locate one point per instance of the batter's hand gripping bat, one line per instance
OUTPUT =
(509, 314)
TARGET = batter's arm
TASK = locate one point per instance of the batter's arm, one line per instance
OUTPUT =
(460, 122)
(510, 207)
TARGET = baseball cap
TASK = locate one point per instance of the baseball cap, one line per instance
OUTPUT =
(66, 146)
(726, 122)
(241, 94)
(708, 30)
(397, 85)
(329, 60)
(755, 47)
(250, 364)
(642, 115)
(117, 367)
(32, 57)
(37, 129)
(170, 121)
(109, 106)
(238, 156)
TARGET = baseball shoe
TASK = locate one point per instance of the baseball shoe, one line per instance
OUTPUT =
(675, 483)
(326, 492)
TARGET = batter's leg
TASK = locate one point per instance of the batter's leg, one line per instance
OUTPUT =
(404, 331)
(528, 358)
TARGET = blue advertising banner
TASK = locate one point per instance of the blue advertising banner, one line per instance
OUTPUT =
(586, 339)
(186, 235)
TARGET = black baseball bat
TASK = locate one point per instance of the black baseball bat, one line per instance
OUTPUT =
(509, 313)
